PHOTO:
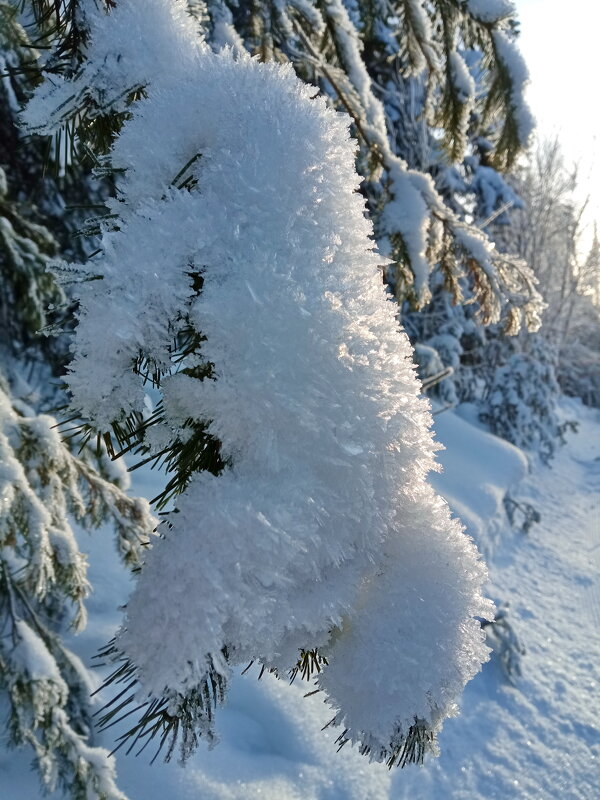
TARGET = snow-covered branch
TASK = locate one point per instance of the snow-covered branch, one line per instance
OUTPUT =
(238, 226)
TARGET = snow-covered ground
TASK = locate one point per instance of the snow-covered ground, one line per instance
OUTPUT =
(536, 739)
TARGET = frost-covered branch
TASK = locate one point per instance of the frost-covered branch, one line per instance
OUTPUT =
(238, 274)
(43, 585)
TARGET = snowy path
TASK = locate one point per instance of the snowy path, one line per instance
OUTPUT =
(538, 740)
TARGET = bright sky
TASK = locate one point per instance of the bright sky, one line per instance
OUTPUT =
(560, 42)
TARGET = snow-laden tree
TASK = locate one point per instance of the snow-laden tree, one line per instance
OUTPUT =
(236, 272)
(520, 404)
(546, 229)
(44, 485)
(579, 364)
(449, 332)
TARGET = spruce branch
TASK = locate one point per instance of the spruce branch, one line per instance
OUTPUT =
(174, 719)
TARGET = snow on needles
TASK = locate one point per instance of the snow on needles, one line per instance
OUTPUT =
(123, 52)
(515, 65)
(321, 530)
(490, 10)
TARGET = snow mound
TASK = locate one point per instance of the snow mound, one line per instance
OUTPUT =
(479, 469)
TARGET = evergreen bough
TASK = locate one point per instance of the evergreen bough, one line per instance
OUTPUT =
(211, 245)
(45, 483)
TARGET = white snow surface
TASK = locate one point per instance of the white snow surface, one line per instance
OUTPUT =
(536, 740)
(475, 487)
